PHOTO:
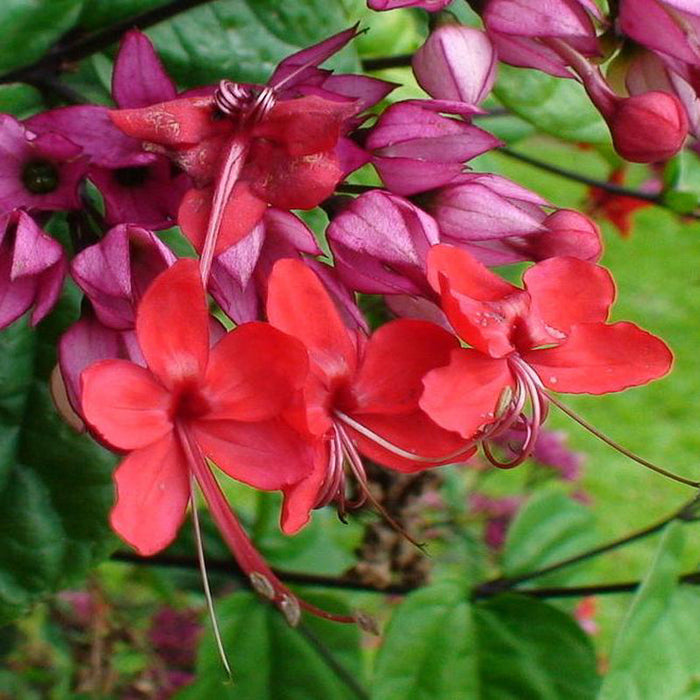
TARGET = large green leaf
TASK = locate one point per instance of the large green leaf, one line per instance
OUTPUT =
(244, 40)
(557, 107)
(272, 661)
(430, 650)
(529, 650)
(55, 487)
(31, 28)
(101, 13)
(551, 527)
(655, 652)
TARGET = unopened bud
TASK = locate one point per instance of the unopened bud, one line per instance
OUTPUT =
(649, 127)
(569, 233)
(456, 63)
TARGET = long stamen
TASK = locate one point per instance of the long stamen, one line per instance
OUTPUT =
(230, 171)
(205, 580)
(394, 449)
(619, 448)
(261, 576)
(358, 470)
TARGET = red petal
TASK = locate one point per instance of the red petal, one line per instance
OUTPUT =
(415, 433)
(291, 182)
(396, 358)
(464, 395)
(253, 372)
(300, 498)
(172, 325)
(181, 122)
(152, 494)
(567, 291)
(465, 274)
(598, 358)
(125, 404)
(241, 213)
(305, 125)
(484, 309)
(298, 304)
(267, 455)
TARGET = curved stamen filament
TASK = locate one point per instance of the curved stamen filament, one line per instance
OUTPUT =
(394, 449)
(205, 579)
(358, 470)
(619, 448)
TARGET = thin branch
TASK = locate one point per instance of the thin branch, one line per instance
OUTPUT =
(343, 674)
(692, 578)
(226, 566)
(685, 514)
(399, 61)
(83, 46)
(610, 187)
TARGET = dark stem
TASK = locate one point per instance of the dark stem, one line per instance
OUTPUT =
(686, 514)
(400, 61)
(333, 663)
(692, 578)
(83, 46)
(229, 567)
(584, 179)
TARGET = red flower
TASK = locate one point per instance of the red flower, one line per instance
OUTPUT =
(550, 335)
(191, 404)
(362, 393)
(223, 404)
(616, 208)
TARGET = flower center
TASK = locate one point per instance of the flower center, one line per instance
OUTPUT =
(40, 177)
(134, 176)
(190, 403)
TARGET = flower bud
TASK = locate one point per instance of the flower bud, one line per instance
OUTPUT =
(456, 63)
(649, 127)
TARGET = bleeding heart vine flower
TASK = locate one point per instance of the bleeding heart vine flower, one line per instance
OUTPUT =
(248, 147)
(362, 393)
(550, 336)
(190, 405)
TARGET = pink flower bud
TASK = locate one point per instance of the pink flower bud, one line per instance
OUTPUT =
(569, 233)
(456, 63)
(648, 128)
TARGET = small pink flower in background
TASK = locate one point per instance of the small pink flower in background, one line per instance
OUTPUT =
(498, 514)
(585, 613)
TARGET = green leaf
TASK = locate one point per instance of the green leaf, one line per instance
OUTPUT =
(271, 660)
(529, 650)
(20, 100)
(655, 652)
(429, 649)
(324, 546)
(55, 485)
(101, 13)
(244, 40)
(549, 528)
(558, 107)
(29, 29)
